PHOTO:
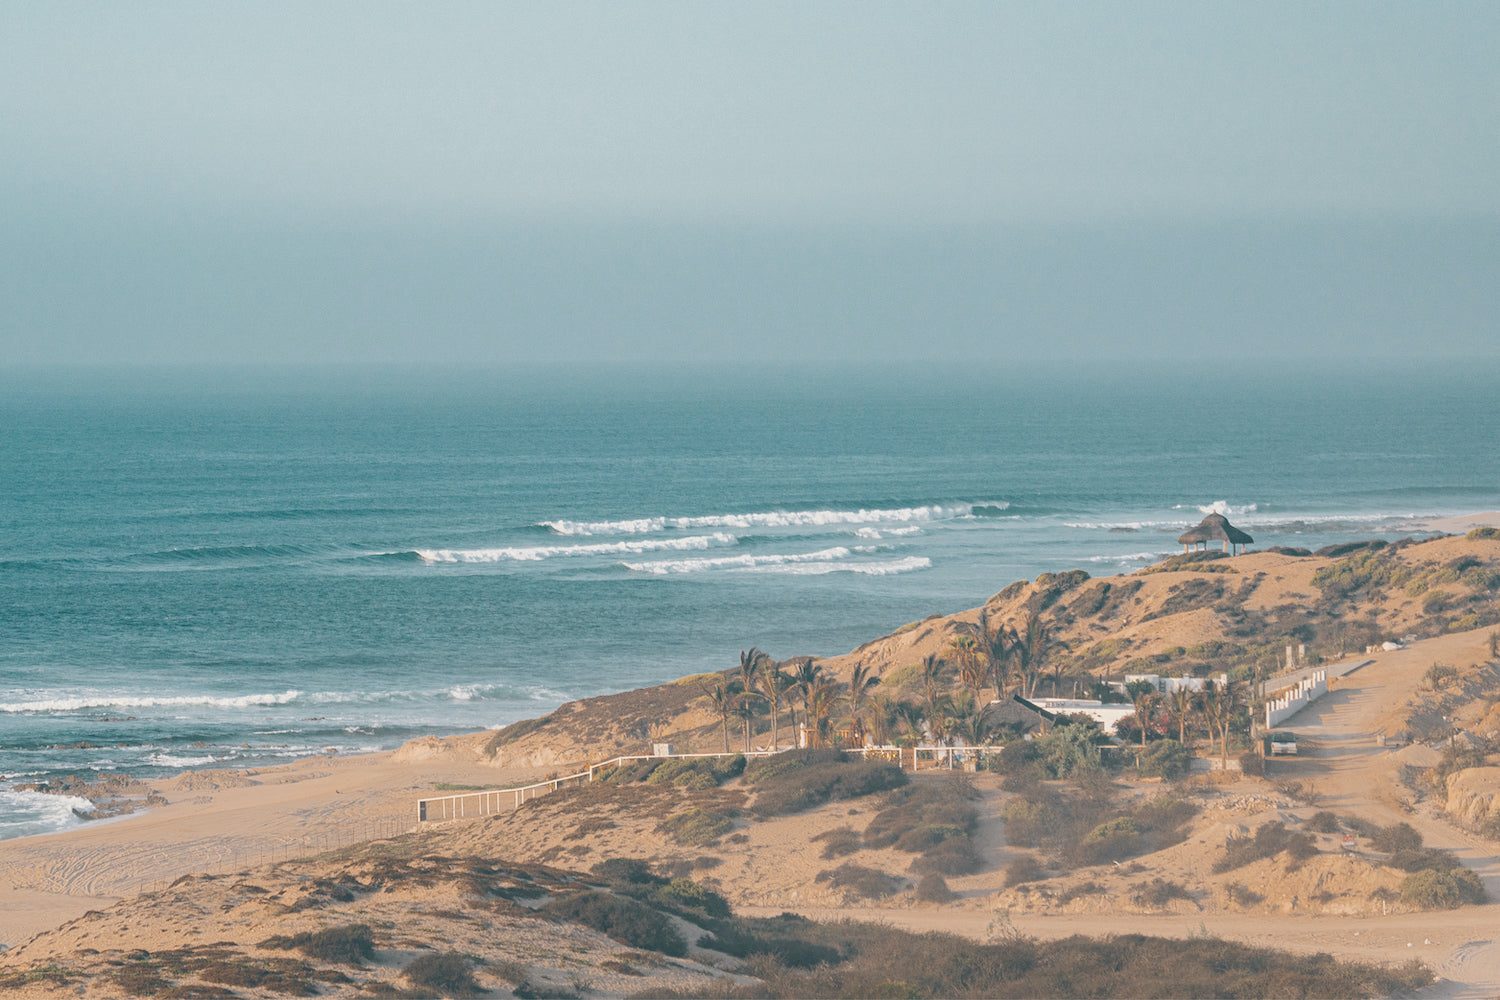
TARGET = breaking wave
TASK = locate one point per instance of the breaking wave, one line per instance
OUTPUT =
(834, 560)
(771, 519)
(77, 704)
(536, 553)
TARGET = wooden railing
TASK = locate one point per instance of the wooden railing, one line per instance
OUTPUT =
(477, 804)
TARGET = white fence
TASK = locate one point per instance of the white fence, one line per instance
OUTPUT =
(1296, 698)
(477, 804)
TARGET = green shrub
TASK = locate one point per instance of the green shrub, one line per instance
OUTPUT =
(1024, 868)
(839, 842)
(626, 920)
(1323, 822)
(1397, 837)
(1165, 759)
(954, 856)
(350, 944)
(933, 888)
(693, 827)
(1270, 839)
(798, 780)
(1157, 893)
(684, 893)
(627, 871)
(446, 973)
(1429, 859)
(696, 772)
(1442, 890)
(777, 937)
(861, 881)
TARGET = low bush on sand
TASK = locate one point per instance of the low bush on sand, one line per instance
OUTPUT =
(934, 820)
(1397, 837)
(883, 961)
(933, 888)
(1024, 868)
(350, 944)
(1157, 893)
(777, 938)
(1323, 822)
(798, 780)
(1086, 827)
(694, 827)
(679, 895)
(447, 974)
(1426, 859)
(839, 842)
(1430, 889)
(1270, 839)
(627, 920)
(865, 883)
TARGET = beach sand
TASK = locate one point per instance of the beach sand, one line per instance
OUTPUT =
(225, 821)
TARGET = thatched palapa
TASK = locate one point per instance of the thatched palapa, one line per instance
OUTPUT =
(1214, 528)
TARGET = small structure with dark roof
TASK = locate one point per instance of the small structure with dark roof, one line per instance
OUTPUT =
(1214, 528)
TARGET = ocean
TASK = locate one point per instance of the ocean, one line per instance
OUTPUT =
(235, 568)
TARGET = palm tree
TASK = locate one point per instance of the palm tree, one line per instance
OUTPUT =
(974, 727)
(1220, 702)
(773, 684)
(932, 675)
(877, 717)
(805, 677)
(1145, 696)
(995, 642)
(969, 657)
(821, 700)
(722, 700)
(750, 666)
(860, 683)
(1028, 649)
(1182, 704)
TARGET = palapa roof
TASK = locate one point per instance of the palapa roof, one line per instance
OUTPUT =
(1215, 528)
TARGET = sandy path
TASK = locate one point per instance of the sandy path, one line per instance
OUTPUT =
(1354, 776)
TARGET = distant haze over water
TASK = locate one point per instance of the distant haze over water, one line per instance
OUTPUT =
(225, 568)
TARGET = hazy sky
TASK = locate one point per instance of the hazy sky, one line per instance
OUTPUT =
(550, 181)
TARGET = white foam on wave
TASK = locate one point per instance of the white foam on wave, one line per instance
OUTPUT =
(1140, 557)
(26, 814)
(1222, 507)
(891, 568)
(766, 519)
(536, 553)
(834, 560)
(666, 566)
(80, 703)
(172, 760)
(869, 533)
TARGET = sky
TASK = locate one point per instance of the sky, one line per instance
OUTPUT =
(491, 184)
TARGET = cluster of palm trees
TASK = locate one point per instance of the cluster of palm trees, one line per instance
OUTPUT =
(991, 655)
(1006, 656)
(1216, 705)
(761, 680)
(999, 654)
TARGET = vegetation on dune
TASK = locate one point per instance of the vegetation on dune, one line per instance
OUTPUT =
(798, 780)
(882, 961)
(447, 974)
(623, 918)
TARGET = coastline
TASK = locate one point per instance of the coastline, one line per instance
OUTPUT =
(217, 823)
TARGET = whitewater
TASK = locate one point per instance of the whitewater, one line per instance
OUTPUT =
(229, 569)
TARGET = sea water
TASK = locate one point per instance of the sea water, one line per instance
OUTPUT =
(239, 568)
